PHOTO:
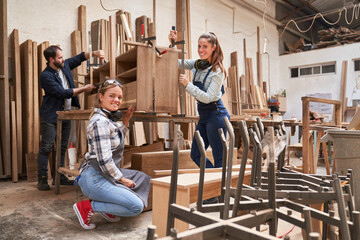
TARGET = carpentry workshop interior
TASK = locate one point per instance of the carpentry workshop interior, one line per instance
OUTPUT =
(180, 119)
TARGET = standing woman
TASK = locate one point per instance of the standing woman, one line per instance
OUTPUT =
(112, 191)
(207, 88)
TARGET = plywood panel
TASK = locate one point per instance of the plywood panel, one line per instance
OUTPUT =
(5, 165)
(15, 52)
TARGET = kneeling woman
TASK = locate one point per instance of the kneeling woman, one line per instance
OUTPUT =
(112, 191)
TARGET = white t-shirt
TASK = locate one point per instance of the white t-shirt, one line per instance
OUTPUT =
(65, 83)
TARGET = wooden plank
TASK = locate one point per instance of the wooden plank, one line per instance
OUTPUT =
(143, 75)
(246, 85)
(16, 76)
(82, 29)
(166, 83)
(41, 66)
(75, 38)
(326, 157)
(31, 167)
(5, 165)
(343, 87)
(112, 47)
(258, 60)
(36, 114)
(306, 121)
(27, 98)
(148, 162)
(355, 122)
(14, 148)
(138, 21)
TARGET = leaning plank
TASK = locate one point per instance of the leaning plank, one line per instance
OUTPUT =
(14, 160)
(5, 166)
(27, 97)
(355, 122)
(41, 66)
(82, 29)
(138, 22)
(343, 87)
(36, 83)
(15, 52)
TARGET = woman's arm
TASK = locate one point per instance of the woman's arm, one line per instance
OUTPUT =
(212, 93)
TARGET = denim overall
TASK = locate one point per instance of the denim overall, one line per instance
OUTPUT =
(211, 119)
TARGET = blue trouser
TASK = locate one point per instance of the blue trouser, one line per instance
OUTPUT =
(47, 143)
(107, 197)
(208, 125)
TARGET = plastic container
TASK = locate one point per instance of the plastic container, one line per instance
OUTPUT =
(72, 156)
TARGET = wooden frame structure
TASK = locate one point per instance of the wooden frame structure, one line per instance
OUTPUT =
(308, 155)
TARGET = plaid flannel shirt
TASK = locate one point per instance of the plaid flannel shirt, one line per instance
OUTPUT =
(104, 138)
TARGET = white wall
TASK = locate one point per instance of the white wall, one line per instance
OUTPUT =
(328, 83)
(55, 20)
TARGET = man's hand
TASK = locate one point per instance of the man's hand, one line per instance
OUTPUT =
(128, 115)
(127, 182)
(89, 87)
(99, 53)
(183, 80)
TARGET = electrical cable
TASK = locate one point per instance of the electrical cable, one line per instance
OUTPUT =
(109, 10)
(355, 13)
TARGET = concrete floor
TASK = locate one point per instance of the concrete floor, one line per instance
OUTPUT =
(26, 213)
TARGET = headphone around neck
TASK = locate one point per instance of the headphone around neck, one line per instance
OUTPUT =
(202, 64)
(113, 116)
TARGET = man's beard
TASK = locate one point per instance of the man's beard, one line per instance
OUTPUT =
(59, 65)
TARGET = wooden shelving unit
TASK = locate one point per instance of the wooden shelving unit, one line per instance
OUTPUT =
(134, 71)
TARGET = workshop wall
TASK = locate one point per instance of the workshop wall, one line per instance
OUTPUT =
(53, 21)
(325, 83)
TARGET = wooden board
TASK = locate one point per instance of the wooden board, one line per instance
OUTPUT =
(41, 66)
(14, 148)
(5, 165)
(150, 161)
(36, 83)
(31, 167)
(130, 150)
(343, 87)
(355, 122)
(138, 21)
(27, 83)
(16, 76)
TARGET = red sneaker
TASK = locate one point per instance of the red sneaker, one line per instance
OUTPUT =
(110, 217)
(84, 213)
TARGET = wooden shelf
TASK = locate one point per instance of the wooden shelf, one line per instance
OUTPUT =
(127, 76)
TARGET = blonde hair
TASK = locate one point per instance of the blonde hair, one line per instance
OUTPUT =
(106, 85)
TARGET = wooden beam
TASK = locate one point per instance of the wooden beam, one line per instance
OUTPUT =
(258, 60)
(16, 76)
(41, 66)
(5, 168)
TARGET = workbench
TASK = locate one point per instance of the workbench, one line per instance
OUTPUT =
(82, 115)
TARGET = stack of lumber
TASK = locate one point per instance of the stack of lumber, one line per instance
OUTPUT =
(297, 46)
(337, 36)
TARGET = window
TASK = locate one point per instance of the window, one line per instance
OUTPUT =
(357, 65)
(313, 70)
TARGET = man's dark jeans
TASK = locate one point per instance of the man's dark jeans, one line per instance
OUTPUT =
(47, 143)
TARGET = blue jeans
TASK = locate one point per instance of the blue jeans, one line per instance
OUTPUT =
(107, 197)
(47, 143)
(208, 125)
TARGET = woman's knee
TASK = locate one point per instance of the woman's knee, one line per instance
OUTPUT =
(137, 207)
